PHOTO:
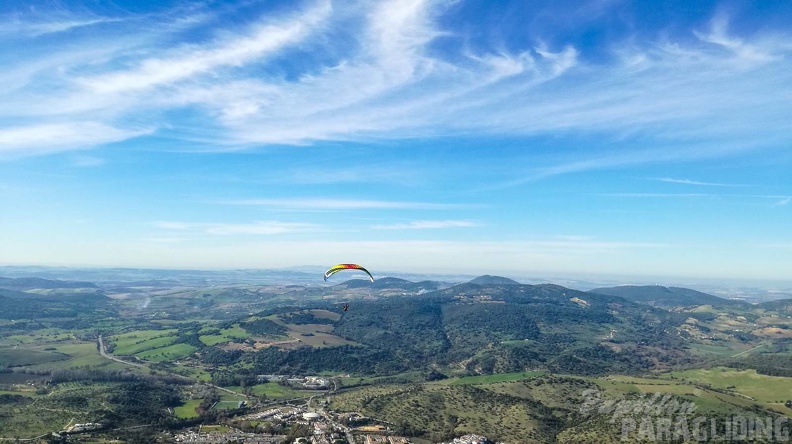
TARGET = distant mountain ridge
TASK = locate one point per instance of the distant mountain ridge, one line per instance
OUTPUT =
(392, 282)
(783, 305)
(666, 296)
(32, 283)
(493, 280)
(5, 293)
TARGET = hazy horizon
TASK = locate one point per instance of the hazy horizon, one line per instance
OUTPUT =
(723, 287)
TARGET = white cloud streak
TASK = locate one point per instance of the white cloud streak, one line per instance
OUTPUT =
(404, 173)
(783, 202)
(427, 224)
(229, 229)
(347, 204)
(745, 52)
(651, 195)
(265, 39)
(14, 26)
(694, 182)
(54, 137)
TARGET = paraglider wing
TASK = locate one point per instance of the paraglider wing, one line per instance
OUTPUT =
(341, 267)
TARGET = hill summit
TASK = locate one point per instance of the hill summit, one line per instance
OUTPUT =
(493, 280)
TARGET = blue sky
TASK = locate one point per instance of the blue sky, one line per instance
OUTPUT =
(598, 137)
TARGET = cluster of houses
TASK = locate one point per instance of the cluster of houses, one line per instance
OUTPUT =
(226, 437)
(378, 439)
(271, 414)
(87, 427)
(276, 413)
(470, 439)
(324, 430)
(307, 382)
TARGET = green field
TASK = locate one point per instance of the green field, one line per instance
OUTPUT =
(227, 405)
(192, 372)
(696, 391)
(489, 379)
(765, 389)
(124, 339)
(214, 339)
(129, 344)
(80, 354)
(415, 377)
(168, 321)
(188, 409)
(28, 393)
(12, 357)
(275, 390)
(169, 353)
(226, 335)
(354, 381)
(716, 349)
(214, 428)
(228, 397)
(317, 338)
(44, 335)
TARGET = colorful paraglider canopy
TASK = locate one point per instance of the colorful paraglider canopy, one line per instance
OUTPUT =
(341, 267)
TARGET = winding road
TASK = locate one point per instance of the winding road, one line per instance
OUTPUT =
(104, 354)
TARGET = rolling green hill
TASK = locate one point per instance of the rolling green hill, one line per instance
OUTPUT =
(667, 296)
(481, 329)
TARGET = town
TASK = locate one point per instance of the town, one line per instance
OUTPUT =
(320, 425)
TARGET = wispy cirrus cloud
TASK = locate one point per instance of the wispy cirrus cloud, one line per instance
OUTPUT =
(745, 52)
(41, 24)
(241, 86)
(54, 137)
(695, 182)
(783, 202)
(187, 62)
(232, 229)
(427, 224)
(375, 90)
(652, 195)
(780, 200)
(347, 204)
(102, 82)
(404, 173)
